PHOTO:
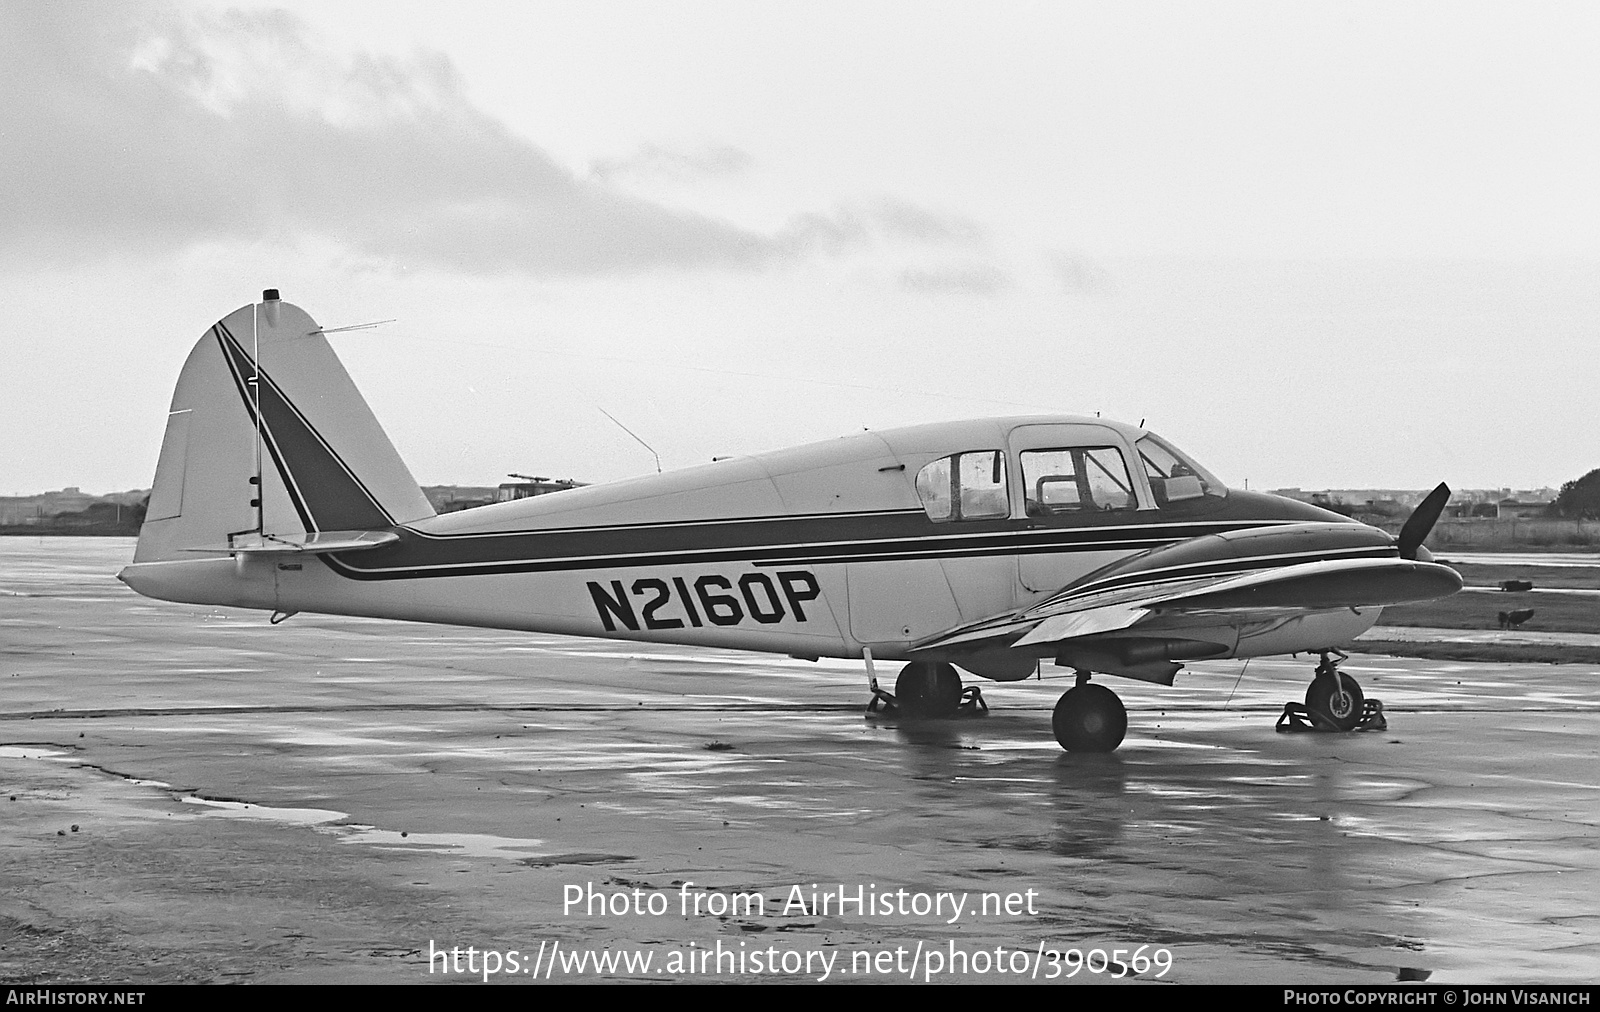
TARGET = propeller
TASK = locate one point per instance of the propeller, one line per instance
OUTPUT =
(1421, 521)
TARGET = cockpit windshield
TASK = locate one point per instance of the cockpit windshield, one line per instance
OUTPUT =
(1173, 475)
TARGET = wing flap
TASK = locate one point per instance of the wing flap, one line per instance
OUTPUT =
(1082, 623)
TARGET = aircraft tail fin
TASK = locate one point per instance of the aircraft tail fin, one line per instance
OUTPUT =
(289, 448)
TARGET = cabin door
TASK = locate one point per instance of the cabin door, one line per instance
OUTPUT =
(1076, 488)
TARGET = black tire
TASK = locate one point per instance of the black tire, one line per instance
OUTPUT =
(1326, 702)
(928, 690)
(1089, 718)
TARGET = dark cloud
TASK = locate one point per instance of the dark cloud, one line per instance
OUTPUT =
(967, 279)
(136, 129)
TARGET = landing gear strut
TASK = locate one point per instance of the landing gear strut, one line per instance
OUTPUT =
(1089, 718)
(1334, 697)
(1334, 702)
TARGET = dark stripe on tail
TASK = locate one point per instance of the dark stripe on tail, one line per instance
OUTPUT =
(325, 491)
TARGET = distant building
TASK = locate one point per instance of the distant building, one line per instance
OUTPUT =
(529, 487)
(72, 510)
(1486, 502)
(1521, 509)
(34, 510)
(454, 498)
(1370, 505)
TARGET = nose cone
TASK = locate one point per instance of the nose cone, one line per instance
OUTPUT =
(1423, 555)
(122, 574)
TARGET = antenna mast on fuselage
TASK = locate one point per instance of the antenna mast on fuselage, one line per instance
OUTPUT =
(635, 436)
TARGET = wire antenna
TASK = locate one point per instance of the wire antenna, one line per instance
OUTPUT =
(635, 436)
(1236, 682)
(353, 326)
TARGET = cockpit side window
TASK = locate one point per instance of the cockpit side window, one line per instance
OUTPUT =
(936, 489)
(1078, 478)
(1173, 476)
(965, 486)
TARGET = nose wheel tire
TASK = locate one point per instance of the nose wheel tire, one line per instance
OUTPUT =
(929, 690)
(1337, 700)
(1090, 718)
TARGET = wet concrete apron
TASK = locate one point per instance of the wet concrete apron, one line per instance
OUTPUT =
(330, 799)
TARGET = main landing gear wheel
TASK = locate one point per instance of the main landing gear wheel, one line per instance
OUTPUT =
(1089, 718)
(925, 689)
(1337, 699)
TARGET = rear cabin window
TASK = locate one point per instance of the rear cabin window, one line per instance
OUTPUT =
(1076, 479)
(965, 486)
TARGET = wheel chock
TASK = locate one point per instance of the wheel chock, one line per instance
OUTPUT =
(1372, 718)
(972, 703)
(883, 702)
(1296, 718)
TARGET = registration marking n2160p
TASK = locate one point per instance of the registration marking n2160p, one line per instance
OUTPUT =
(673, 602)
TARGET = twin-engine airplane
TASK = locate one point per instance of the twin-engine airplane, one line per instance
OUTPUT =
(987, 545)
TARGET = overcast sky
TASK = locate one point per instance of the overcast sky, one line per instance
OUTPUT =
(1321, 245)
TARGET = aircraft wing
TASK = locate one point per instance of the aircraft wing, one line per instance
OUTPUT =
(1164, 610)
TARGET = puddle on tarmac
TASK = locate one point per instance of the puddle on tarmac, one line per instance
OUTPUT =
(245, 810)
(27, 752)
(450, 844)
(325, 820)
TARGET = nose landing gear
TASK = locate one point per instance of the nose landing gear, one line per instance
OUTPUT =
(1334, 702)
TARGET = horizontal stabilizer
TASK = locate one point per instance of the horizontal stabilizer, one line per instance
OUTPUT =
(313, 543)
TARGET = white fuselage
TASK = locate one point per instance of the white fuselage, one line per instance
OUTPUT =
(820, 550)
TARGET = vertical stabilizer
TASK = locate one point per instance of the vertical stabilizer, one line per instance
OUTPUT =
(324, 461)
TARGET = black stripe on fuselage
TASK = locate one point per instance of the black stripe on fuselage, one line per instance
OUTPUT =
(662, 525)
(326, 493)
(804, 540)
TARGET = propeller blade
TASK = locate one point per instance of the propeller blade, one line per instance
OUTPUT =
(1421, 521)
